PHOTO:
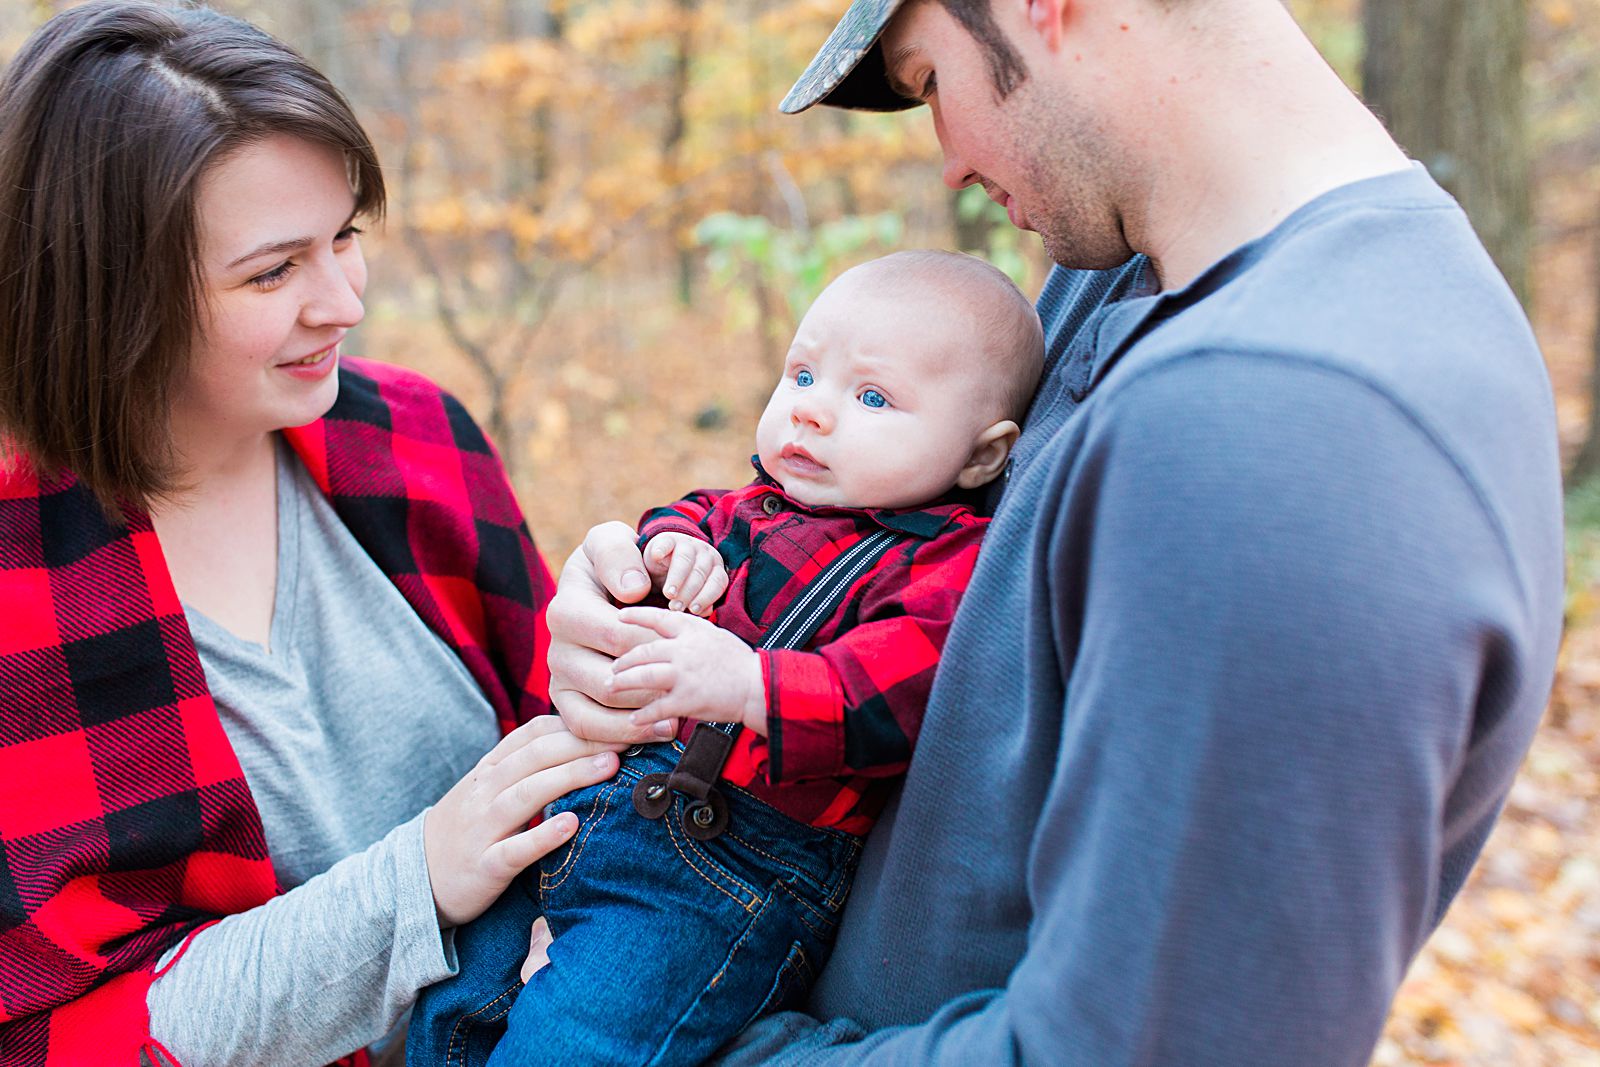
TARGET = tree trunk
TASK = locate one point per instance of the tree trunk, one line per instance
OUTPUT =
(1587, 465)
(1447, 78)
(672, 143)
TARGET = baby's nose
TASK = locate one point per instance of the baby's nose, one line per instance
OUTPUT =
(811, 413)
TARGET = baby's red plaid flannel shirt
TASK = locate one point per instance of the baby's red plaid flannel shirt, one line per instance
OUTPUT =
(842, 714)
(125, 820)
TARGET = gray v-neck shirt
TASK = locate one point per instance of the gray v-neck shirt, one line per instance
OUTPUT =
(353, 721)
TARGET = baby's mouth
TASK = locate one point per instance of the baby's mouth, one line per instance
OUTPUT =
(800, 461)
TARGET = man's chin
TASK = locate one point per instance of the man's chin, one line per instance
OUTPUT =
(1076, 255)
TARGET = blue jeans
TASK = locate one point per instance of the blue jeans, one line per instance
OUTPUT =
(665, 947)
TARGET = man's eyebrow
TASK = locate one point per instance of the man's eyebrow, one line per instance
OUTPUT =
(892, 62)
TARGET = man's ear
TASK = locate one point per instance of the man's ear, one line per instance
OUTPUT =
(1047, 17)
(989, 454)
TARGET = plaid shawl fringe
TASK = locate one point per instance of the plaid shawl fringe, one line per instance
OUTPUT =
(125, 821)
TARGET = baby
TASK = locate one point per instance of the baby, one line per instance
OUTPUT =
(705, 880)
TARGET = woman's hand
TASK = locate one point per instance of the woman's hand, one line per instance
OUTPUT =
(587, 633)
(476, 838)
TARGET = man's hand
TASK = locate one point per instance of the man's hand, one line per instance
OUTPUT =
(689, 572)
(693, 669)
(587, 633)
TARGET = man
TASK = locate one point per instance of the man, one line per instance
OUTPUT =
(1270, 606)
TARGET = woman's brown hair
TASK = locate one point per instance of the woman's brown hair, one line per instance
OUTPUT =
(109, 116)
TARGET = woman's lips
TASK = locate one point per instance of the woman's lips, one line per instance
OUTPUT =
(315, 366)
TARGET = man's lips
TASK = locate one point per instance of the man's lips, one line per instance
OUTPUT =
(1014, 211)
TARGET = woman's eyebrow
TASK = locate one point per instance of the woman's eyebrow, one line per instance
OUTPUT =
(279, 248)
(276, 248)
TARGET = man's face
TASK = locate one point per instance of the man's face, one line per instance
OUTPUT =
(1037, 152)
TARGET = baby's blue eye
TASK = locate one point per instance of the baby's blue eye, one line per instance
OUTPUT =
(803, 379)
(874, 399)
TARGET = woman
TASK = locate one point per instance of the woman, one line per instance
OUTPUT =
(264, 604)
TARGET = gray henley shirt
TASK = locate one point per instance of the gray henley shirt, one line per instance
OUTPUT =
(1258, 638)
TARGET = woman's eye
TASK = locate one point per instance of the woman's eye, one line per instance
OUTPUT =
(273, 276)
(347, 233)
(803, 379)
(874, 399)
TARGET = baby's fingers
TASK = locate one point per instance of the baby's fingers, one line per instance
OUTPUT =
(663, 709)
(715, 585)
(657, 676)
(678, 575)
(658, 555)
(653, 652)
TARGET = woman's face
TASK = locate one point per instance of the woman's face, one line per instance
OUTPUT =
(282, 277)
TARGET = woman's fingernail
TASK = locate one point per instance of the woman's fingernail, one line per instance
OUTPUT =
(566, 822)
(663, 729)
(633, 579)
(602, 761)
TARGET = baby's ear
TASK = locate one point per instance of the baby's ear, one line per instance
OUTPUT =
(989, 454)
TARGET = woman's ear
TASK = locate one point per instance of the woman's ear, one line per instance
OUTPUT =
(989, 454)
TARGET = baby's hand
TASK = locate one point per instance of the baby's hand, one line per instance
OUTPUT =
(695, 669)
(687, 571)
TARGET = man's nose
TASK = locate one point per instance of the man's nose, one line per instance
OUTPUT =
(957, 173)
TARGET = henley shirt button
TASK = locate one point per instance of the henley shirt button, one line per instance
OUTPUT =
(771, 504)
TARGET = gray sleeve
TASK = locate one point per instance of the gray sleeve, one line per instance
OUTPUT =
(1272, 619)
(314, 974)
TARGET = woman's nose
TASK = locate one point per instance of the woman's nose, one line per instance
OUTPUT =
(337, 299)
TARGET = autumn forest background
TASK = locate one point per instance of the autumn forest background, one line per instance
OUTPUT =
(601, 234)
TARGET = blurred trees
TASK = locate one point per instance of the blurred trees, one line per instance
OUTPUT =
(530, 147)
(1447, 78)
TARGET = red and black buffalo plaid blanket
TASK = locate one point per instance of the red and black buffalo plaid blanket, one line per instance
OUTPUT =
(125, 821)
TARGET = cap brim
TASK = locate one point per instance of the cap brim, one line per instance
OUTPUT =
(848, 70)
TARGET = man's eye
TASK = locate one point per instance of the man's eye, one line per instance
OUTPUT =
(874, 399)
(803, 379)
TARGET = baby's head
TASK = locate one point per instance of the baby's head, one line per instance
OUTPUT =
(907, 378)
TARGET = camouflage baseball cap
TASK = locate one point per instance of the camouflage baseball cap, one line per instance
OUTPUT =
(848, 70)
